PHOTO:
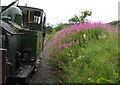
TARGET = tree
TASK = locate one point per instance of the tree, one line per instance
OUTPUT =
(115, 22)
(80, 18)
(61, 26)
(49, 29)
(75, 19)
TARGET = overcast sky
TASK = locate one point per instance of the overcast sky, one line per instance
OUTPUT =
(60, 11)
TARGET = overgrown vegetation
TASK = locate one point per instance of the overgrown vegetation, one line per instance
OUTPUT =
(115, 22)
(86, 53)
(61, 26)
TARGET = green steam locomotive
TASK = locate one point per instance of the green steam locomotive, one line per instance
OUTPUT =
(23, 31)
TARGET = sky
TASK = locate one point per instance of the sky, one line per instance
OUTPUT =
(60, 11)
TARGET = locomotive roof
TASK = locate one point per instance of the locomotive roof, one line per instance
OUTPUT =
(27, 8)
(30, 8)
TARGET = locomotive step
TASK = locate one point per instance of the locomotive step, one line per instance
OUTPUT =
(25, 71)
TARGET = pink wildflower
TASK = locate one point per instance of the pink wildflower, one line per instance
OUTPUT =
(77, 41)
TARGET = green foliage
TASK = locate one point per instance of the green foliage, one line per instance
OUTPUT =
(96, 60)
(61, 26)
(102, 80)
(92, 60)
(49, 29)
(114, 22)
(81, 18)
(75, 19)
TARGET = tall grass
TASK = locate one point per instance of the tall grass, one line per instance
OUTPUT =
(86, 53)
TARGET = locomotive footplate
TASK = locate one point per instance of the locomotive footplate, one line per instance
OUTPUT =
(25, 71)
(21, 76)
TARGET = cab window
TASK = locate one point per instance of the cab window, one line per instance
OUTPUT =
(34, 17)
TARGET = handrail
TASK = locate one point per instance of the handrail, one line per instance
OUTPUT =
(4, 64)
(9, 5)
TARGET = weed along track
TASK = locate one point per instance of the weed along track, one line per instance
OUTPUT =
(86, 53)
(44, 74)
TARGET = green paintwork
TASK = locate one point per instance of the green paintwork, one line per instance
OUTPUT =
(29, 42)
(31, 39)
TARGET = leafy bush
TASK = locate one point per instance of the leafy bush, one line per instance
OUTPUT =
(86, 53)
(49, 29)
(61, 26)
(114, 22)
